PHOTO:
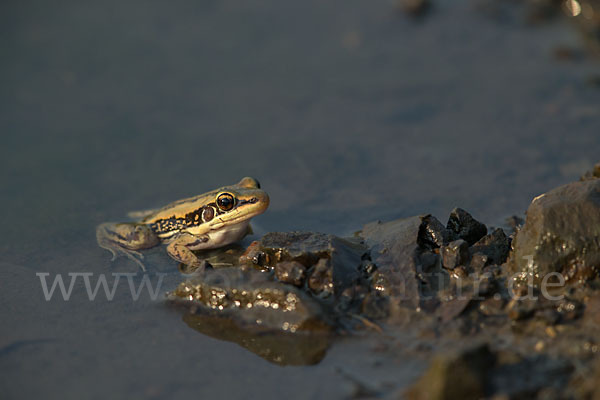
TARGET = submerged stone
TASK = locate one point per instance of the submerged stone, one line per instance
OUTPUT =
(561, 235)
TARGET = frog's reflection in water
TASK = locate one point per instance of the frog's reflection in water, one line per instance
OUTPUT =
(279, 347)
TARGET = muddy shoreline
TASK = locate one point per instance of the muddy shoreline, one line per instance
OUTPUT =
(497, 313)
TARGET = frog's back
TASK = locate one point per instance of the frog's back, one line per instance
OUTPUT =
(181, 208)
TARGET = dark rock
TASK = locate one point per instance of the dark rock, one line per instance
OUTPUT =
(433, 233)
(340, 260)
(406, 273)
(290, 272)
(496, 246)
(593, 174)
(455, 253)
(455, 375)
(561, 235)
(465, 226)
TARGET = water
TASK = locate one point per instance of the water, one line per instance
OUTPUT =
(346, 112)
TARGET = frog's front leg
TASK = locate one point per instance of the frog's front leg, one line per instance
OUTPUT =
(180, 248)
(125, 238)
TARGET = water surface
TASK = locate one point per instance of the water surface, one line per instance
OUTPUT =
(346, 112)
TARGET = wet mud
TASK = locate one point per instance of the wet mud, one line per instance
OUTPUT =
(508, 312)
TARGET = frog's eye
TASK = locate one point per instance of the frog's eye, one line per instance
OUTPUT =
(225, 201)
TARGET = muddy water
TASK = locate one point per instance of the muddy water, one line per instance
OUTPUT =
(346, 112)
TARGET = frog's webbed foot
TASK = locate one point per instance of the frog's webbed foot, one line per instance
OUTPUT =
(123, 239)
(116, 250)
(180, 248)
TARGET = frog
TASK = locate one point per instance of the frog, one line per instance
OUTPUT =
(211, 220)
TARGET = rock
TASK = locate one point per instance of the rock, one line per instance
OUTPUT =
(592, 310)
(452, 308)
(256, 257)
(593, 174)
(496, 246)
(569, 309)
(455, 253)
(291, 272)
(327, 259)
(455, 375)
(433, 234)
(395, 250)
(478, 261)
(321, 278)
(492, 306)
(518, 310)
(406, 273)
(375, 306)
(485, 284)
(465, 226)
(551, 311)
(251, 299)
(561, 235)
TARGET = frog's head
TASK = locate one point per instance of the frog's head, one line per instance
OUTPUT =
(240, 202)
